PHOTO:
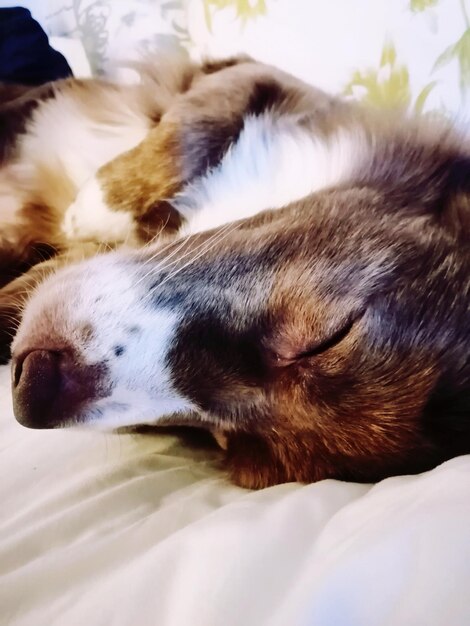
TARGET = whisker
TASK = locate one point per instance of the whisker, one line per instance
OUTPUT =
(11, 318)
(158, 233)
(160, 265)
(164, 265)
(163, 248)
(204, 251)
(160, 250)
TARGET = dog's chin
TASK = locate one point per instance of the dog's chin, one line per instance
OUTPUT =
(107, 415)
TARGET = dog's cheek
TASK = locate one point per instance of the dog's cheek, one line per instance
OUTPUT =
(257, 462)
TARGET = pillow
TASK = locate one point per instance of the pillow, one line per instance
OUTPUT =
(74, 52)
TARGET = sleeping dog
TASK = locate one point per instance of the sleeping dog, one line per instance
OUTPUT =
(291, 272)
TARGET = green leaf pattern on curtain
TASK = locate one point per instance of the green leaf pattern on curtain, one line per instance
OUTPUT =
(394, 89)
(244, 9)
(421, 5)
(459, 52)
(97, 22)
(383, 82)
(389, 85)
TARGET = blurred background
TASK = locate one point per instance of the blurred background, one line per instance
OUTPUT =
(410, 53)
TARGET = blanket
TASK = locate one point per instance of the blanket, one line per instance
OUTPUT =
(142, 529)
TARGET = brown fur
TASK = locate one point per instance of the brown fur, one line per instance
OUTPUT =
(131, 182)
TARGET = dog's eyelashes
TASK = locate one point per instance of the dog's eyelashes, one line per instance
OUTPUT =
(286, 352)
(330, 342)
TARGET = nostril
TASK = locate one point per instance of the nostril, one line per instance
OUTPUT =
(51, 387)
(38, 359)
(36, 384)
(17, 369)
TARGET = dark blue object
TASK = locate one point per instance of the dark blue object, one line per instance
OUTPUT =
(26, 57)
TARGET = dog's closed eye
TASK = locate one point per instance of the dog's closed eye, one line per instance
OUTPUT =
(287, 348)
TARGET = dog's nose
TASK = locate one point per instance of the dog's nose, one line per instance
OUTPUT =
(48, 387)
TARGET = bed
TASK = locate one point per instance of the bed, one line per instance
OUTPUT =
(144, 529)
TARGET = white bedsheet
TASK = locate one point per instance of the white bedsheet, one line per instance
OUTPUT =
(139, 530)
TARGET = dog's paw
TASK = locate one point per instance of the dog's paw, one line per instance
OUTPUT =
(90, 218)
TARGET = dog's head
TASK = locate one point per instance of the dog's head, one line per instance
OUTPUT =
(334, 333)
